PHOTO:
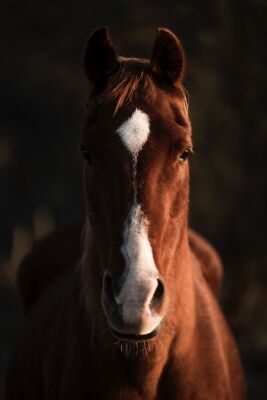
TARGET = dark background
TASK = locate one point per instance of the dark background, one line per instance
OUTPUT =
(43, 93)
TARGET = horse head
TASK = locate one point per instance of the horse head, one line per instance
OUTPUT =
(136, 142)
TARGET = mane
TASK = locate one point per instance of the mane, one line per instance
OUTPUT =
(132, 81)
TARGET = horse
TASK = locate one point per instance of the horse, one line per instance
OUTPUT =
(131, 312)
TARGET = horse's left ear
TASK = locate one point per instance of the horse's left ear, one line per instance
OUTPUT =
(168, 59)
(100, 59)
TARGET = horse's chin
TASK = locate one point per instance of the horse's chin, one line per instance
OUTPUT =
(133, 338)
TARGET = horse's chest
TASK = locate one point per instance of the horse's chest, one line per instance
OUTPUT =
(113, 379)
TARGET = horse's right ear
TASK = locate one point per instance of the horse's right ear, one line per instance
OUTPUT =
(100, 59)
(168, 58)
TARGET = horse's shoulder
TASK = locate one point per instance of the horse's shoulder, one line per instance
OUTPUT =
(49, 330)
(209, 260)
(49, 258)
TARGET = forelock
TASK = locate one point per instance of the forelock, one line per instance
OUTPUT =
(133, 82)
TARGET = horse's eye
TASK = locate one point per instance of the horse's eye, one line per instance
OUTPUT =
(87, 155)
(184, 155)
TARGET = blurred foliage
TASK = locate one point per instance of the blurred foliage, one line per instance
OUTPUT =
(42, 106)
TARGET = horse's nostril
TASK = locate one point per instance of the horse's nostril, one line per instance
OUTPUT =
(108, 289)
(158, 296)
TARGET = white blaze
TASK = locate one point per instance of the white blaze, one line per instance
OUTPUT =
(141, 272)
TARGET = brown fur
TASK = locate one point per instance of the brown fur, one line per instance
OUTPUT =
(67, 349)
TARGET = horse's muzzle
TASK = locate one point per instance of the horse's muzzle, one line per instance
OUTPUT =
(133, 312)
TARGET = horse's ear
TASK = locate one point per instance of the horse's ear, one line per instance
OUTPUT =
(100, 59)
(168, 59)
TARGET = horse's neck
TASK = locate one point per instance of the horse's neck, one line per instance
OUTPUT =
(182, 313)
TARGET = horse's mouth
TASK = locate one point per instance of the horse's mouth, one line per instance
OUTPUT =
(134, 338)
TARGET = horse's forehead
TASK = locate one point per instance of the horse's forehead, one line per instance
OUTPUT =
(133, 125)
